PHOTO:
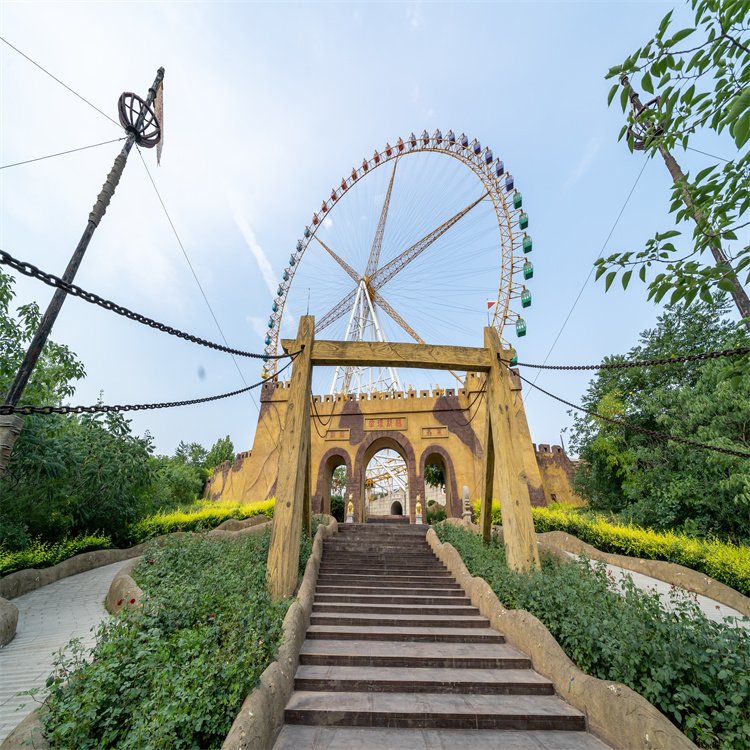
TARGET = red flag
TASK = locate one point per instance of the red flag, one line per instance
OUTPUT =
(490, 304)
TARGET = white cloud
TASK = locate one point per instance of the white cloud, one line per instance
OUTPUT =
(264, 265)
(258, 325)
(328, 222)
(414, 14)
(583, 166)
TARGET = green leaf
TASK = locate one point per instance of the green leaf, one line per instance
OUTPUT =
(647, 83)
(626, 278)
(741, 130)
(725, 285)
(642, 273)
(612, 93)
(608, 281)
(624, 99)
(679, 36)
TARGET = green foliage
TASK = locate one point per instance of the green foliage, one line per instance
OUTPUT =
(668, 485)
(434, 475)
(337, 507)
(72, 475)
(697, 672)
(175, 672)
(222, 450)
(702, 77)
(39, 554)
(435, 513)
(203, 515)
(57, 367)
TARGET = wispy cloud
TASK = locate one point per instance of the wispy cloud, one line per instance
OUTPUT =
(414, 14)
(583, 165)
(264, 265)
(257, 324)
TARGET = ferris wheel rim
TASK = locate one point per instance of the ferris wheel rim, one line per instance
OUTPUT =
(471, 155)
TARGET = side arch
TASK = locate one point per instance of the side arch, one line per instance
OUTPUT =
(453, 501)
(331, 460)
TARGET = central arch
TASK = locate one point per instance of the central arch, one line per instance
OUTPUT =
(395, 441)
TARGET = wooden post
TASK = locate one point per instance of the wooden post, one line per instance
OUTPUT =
(521, 550)
(283, 555)
(307, 499)
(485, 521)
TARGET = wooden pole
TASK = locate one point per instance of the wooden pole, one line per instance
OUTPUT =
(485, 519)
(283, 555)
(521, 551)
(53, 309)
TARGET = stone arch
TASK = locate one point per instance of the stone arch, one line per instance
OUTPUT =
(369, 446)
(453, 500)
(396, 509)
(331, 460)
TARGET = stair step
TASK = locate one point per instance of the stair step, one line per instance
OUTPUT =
(339, 578)
(437, 710)
(399, 621)
(296, 736)
(404, 634)
(372, 571)
(393, 599)
(399, 654)
(421, 680)
(394, 609)
(446, 589)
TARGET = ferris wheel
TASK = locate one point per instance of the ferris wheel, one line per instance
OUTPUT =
(423, 239)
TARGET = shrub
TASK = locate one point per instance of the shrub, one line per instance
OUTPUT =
(175, 672)
(435, 513)
(204, 515)
(725, 561)
(41, 554)
(695, 671)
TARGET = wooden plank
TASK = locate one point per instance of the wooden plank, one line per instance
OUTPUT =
(390, 354)
(283, 555)
(307, 499)
(521, 551)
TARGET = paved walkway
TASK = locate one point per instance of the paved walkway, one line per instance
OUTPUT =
(47, 619)
(712, 609)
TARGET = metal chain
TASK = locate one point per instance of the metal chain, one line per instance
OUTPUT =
(29, 269)
(738, 351)
(643, 430)
(106, 409)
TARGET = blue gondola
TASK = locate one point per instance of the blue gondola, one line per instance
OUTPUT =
(464, 140)
(499, 167)
(509, 182)
(268, 339)
(299, 246)
(450, 137)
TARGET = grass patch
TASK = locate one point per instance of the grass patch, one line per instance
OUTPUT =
(41, 554)
(695, 671)
(724, 561)
(174, 673)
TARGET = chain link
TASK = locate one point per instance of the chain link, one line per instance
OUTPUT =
(107, 409)
(643, 430)
(29, 269)
(738, 351)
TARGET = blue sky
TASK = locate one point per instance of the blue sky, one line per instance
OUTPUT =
(266, 107)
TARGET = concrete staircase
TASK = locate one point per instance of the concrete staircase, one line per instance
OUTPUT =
(396, 657)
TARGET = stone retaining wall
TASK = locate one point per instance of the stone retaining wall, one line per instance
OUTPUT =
(613, 711)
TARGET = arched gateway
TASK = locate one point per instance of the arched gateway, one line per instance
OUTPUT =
(301, 440)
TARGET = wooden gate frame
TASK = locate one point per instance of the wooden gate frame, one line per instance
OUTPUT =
(292, 512)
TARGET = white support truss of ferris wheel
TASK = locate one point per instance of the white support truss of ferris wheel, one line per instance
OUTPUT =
(364, 325)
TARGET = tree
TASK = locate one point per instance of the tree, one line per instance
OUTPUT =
(702, 74)
(665, 484)
(222, 450)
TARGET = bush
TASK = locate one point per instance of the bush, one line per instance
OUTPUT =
(41, 554)
(204, 515)
(435, 513)
(724, 561)
(695, 671)
(174, 672)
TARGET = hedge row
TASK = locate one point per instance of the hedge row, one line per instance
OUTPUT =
(203, 515)
(41, 554)
(724, 561)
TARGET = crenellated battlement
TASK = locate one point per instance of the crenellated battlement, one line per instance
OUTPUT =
(548, 450)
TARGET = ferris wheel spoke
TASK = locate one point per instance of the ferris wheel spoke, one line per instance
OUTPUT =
(395, 266)
(377, 243)
(349, 270)
(381, 302)
(337, 311)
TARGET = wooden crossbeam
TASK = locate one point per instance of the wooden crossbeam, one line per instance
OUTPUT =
(390, 354)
